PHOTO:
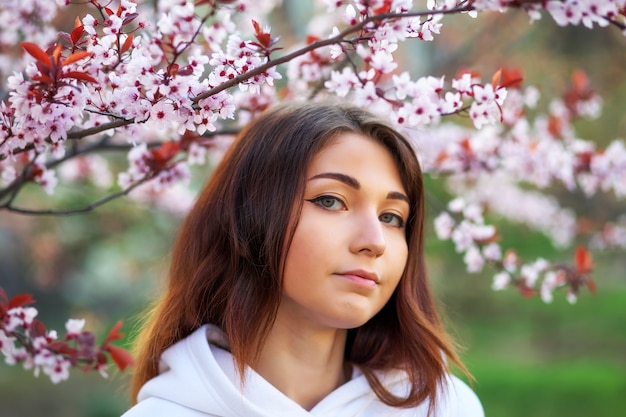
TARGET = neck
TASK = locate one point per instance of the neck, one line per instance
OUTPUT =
(305, 364)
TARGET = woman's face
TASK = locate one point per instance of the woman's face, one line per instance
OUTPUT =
(349, 247)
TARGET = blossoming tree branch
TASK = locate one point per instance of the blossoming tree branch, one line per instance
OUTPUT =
(169, 83)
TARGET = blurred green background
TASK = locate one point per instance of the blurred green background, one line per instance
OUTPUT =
(528, 358)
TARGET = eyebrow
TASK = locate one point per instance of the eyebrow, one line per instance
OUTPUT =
(354, 183)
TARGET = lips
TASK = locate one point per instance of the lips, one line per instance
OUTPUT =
(362, 277)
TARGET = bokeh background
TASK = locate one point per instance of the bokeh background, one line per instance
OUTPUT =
(528, 358)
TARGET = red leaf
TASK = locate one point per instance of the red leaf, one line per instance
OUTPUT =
(77, 33)
(120, 356)
(56, 53)
(60, 346)
(591, 284)
(173, 69)
(188, 70)
(21, 300)
(4, 303)
(257, 27)
(37, 329)
(526, 291)
(580, 80)
(81, 76)
(385, 8)
(127, 44)
(555, 126)
(495, 79)
(584, 260)
(37, 53)
(101, 358)
(77, 56)
(109, 11)
(511, 78)
(264, 38)
(312, 38)
(129, 18)
(114, 334)
(164, 153)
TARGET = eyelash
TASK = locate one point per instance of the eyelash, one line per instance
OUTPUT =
(318, 201)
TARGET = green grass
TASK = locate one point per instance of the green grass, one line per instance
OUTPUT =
(538, 360)
(551, 389)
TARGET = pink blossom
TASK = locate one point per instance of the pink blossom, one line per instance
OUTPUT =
(58, 369)
(457, 205)
(492, 252)
(551, 281)
(74, 326)
(501, 280)
(350, 15)
(571, 297)
(366, 95)
(473, 259)
(8, 174)
(20, 317)
(462, 236)
(510, 262)
(484, 113)
(444, 224)
(383, 61)
(162, 115)
(332, 5)
(112, 25)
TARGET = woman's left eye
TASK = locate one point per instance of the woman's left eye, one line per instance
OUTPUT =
(392, 219)
(328, 202)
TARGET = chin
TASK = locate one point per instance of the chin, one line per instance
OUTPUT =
(352, 322)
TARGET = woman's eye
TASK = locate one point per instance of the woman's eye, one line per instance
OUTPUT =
(328, 202)
(392, 219)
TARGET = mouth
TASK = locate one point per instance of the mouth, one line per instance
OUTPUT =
(361, 277)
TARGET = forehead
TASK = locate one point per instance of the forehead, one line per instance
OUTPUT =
(357, 153)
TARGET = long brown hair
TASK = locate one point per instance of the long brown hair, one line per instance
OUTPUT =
(227, 262)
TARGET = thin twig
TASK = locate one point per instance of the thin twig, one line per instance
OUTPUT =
(83, 209)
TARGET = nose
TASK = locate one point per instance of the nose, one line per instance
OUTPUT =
(369, 236)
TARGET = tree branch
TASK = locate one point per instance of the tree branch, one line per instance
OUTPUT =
(83, 209)
(319, 44)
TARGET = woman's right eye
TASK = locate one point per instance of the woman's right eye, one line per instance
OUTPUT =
(328, 202)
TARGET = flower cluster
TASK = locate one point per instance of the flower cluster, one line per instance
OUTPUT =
(464, 225)
(116, 77)
(589, 13)
(25, 340)
(611, 236)
(487, 167)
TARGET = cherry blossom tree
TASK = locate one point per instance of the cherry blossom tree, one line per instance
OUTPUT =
(169, 83)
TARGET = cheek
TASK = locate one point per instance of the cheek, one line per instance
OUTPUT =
(302, 254)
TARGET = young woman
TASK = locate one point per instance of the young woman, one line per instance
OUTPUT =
(297, 285)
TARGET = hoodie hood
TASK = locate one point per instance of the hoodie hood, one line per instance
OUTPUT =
(198, 378)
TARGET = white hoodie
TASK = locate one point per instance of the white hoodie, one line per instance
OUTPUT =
(198, 379)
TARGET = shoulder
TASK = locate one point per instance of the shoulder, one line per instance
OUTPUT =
(460, 400)
(454, 399)
(157, 407)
